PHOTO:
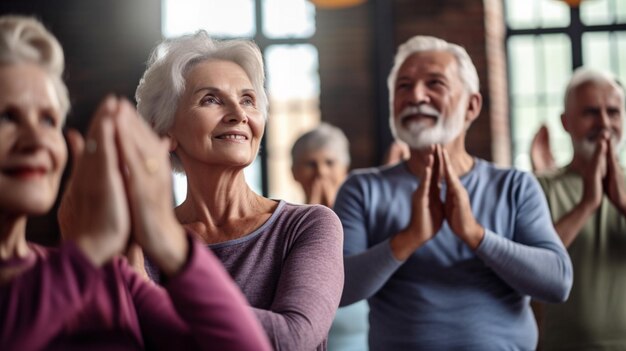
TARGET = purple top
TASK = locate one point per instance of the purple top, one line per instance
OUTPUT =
(291, 271)
(60, 301)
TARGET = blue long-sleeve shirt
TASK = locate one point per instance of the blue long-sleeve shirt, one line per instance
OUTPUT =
(447, 296)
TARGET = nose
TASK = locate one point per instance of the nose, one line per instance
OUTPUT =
(236, 114)
(604, 120)
(29, 136)
(321, 169)
(420, 93)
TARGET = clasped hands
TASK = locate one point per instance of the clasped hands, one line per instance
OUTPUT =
(605, 176)
(428, 210)
(118, 191)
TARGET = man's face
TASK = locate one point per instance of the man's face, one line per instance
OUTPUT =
(430, 100)
(594, 109)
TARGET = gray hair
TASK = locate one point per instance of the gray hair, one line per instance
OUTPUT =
(163, 83)
(420, 43)
(25, 40)
(584, 75)
(325, 136)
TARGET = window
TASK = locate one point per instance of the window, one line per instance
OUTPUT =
(282, 29)
(546, 40)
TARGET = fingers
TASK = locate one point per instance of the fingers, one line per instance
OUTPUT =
(451, 177)
(142, 152)
(76, 144)
(599, 158)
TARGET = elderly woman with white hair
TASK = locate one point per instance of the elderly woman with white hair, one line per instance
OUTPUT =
(320, 161)
(83, 295)
(207, 98)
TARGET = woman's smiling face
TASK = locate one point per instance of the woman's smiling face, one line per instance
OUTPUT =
(217, 120)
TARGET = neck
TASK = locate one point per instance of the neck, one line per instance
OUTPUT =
(13, 236)
(215, 199)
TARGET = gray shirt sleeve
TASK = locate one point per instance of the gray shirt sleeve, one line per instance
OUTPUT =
(535, 261)
(367, 269)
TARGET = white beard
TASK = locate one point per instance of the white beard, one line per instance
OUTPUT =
(419, 135)
(586, 148)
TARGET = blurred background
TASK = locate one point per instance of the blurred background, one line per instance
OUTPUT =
(328, 60)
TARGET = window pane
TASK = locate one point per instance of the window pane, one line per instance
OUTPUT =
(522, 65)
(288, 18)
(293, 84)
(524, 14)
(620, 11)
(554, 14)
(596, 12)
(596, 50)
(232, 18)
(540, 66)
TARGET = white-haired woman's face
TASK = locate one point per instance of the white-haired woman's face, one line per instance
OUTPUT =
(33, 152)
(217, 121)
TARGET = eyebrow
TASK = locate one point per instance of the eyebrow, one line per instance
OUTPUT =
(216, 90)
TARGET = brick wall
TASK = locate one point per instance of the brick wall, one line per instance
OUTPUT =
(345, 42)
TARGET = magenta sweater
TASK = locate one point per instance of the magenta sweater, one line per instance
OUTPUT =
(60, 301)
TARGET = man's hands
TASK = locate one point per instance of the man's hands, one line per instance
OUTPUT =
(428, 211)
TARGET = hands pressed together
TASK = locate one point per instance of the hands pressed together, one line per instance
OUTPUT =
(429, 211)
(605, 176)
(119, 190)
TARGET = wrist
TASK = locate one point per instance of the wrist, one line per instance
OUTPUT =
(404, 244)
(170, 251)
(475, 236)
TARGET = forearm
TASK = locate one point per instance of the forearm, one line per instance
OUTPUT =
(571, 223)
(367, 272)
(544, 273)
(208, 308)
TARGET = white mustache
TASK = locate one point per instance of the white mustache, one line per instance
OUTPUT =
(422, 109)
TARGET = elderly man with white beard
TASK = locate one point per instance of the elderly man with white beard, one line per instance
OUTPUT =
(587, 200)
(447, 248)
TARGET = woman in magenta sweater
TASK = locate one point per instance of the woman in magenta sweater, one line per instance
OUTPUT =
(83, 295)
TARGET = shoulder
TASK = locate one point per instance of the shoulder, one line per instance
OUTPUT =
(505, 179)
(376, 176)
(308, 212)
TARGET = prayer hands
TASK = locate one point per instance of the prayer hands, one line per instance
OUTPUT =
(121, 180)
(94, 211)
(323, 191)
(428, 211)
(613, 184)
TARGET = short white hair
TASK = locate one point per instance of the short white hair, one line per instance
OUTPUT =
(585, 75)
(163, 82)
(420, 43)
(325, 136)
(25, 40)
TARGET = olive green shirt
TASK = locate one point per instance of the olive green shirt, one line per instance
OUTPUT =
(594, 316)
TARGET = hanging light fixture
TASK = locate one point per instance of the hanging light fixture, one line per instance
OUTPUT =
(336, 4)
(572, 3)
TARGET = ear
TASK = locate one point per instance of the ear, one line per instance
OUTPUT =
(173, 142)
(565, 122)
(474, 105)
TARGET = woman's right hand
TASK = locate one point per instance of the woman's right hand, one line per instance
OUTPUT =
(94, 210)
(147, 172)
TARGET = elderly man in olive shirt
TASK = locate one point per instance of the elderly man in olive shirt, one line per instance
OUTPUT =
(587, 200)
